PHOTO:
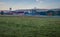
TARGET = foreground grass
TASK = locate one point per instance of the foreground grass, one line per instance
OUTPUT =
(29, 27)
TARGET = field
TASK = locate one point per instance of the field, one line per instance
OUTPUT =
(29, 27)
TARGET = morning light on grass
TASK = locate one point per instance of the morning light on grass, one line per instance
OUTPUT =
(29, 27)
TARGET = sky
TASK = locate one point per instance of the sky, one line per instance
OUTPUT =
(28, 4)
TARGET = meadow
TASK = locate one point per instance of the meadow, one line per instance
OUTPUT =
(22, 26)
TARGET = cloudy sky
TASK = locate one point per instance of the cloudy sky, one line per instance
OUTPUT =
(28, 4)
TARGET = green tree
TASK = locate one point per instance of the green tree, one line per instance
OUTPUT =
(2, 12)
(50, 12)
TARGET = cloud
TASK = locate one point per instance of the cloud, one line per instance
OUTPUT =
(2, 3)
(3, 6)
(39, 1)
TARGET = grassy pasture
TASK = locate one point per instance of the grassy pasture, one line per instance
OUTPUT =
(29, 27)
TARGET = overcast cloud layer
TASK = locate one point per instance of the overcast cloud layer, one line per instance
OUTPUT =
(27, 4)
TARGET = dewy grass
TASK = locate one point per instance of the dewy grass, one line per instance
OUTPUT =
(29, 27)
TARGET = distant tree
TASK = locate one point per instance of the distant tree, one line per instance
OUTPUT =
(50, 12)
(2, 12)
(58, 13)
(34, 11)
(42, 13)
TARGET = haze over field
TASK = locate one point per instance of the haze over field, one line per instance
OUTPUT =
(28, 4)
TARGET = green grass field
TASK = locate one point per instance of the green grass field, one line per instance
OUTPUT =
(29, 27)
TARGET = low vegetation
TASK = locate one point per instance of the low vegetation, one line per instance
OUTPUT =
(29, 27)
